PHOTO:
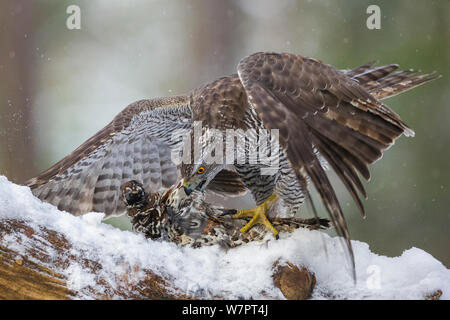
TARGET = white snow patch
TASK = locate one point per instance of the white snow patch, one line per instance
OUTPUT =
(243, 272)
(78, 278)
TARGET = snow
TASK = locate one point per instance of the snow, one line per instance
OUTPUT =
(243, 272)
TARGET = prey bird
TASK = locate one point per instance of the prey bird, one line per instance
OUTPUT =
(325, 117)
(188, 220)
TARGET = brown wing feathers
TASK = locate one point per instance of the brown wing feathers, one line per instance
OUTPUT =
(121, 121)
(227, 182)
(85, 149)
(89, 178)
(358, 70)
(382, 82)
(316, 106)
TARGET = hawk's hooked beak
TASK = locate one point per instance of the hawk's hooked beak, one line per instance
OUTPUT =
(190, 187)
(187, 187)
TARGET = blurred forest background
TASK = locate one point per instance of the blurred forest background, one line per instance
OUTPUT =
(59, 86)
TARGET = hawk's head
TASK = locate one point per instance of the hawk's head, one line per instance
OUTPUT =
(196, 177)
(133, 194)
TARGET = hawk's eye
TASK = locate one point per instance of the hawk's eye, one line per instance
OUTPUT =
(201, 170)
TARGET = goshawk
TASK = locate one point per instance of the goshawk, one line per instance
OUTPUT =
(325, 117)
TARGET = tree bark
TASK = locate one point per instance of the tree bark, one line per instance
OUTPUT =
(28, 272)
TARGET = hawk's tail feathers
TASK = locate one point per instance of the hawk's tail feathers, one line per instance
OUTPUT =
(382, 82)
(400, 82)
(374, 74)
(358, 70)
(289, 224)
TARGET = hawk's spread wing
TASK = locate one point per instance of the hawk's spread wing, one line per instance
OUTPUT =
(136, 145)
(319, 108)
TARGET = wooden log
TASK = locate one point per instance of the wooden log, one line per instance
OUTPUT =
(28, 271)
(295, 283)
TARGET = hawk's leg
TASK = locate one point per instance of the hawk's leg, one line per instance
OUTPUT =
(258, 215)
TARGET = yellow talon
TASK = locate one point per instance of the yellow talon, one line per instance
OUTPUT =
(258, 215)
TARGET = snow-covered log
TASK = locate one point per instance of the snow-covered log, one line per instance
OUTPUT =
(27, 272)
(42, 264)
(46, 253)
(38, 261)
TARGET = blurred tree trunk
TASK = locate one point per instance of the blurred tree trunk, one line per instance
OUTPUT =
(16, 92)
(213, 45)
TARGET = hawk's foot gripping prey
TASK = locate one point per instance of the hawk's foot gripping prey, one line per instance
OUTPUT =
(178, 218)
(258, 215)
